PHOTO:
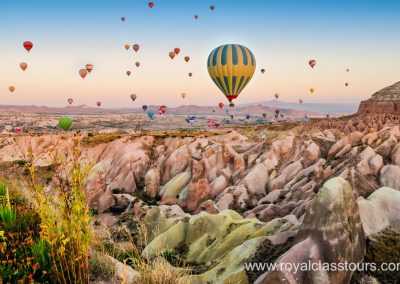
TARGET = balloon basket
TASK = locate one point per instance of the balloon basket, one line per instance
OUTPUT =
(231, 104)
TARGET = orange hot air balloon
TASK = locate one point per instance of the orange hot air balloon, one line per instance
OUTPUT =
(221, 105)
(11, 88)
(127, 46)
(23, 66)
(70, 101)
(172, 54)
(312, 63)
(137, 63)
(187, 58)
(28, 45)
(83, 73)
(312, 90)
(128, 73)
(212, 7)
(89, 67)
(190, 74)
(151, 4)
(99, 104)
(136, 47)
(177, 50)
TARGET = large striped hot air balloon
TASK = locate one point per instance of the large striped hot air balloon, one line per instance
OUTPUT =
(231, 67)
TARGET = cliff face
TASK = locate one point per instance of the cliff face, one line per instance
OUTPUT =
(385, 101)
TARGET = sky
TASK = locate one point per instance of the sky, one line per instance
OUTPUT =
(362, 35)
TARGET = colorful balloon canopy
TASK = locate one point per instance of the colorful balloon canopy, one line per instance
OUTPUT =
(23, 66)
(83, 73)
(163, 109)
(221, 105)
(312, 90)
(151, 113)
(144, 107)
(177, 50)
(231, 67)
(187, 58)
(172, 55)
(312, 63)
(11, 89)
(89, 67)
(133, 97)
(70, 101)
(28, 45)
(65, 123)
(135, 47)
(17, 129)
(232, 116)
(151, 4)
(8, 127)
(127, 46)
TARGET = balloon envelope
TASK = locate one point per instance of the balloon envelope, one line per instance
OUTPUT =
(346, 84)
(127, 46)
(65, 123)
(312, 63)
(83, 73)
(276, 95)
(8, 127)
(231, 67)
(17, 130)
(196, 17)
(190, 74)
(137, 63)
(89, 67)
(144, 107)
(128, 73)
(135, 47)
(177, 50)
(151, 4)
(151, 113)
(212, 7)
(70, 101)
(221, 105)
(172, 54)
(183, 95)
(99, 104)
(311, 90)
(11, 88)
(28, 45)
(262, 71)
(163, 109)
(123, 19)
(133, 97)
(23, 66)
(264, 114)
(187, 58)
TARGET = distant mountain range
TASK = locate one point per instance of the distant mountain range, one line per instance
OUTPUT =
(268, 107)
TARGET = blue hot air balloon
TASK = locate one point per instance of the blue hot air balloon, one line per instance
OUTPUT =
(151, 113)
(144, 107)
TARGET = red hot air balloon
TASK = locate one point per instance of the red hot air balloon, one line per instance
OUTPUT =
(23, 66)
(83, 73)
(177, 50)
(312, 63)
(151, 4)
(221, 105)
(163, 109)
(128, 73)
(70, 101)
(89, 67)
(190, 74)
(136, 47)
(212, 7)
(172, 54)
(99, 104)
(28, 45)
(187, 58)
(17, 130)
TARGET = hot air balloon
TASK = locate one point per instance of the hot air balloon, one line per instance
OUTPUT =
(231, 116)
(262, 71)
(137, 63)
(163, 109)
(311, 90)
(183, 95)
(312, 63)
(144, 107)
(213, 109)
(277, 111)
(151, 113)
(301, 101)
(172, 54)
(190, 74)
(17, 130)
(135, 47)
(187, 58)
(231, 67)
(133, 97)
(151, 4)
(347, 70)
(28, 45)
(276, 95)
(327, 115)
(127, 46)
(23, 66)
(98, 104)
(177, 50)
(70, 101)
(83, 73)
(196, 17)
(89, 67)
(212, 7)
(247, 116)
(282, 115)
(264, 115)
(346, 84)
(11, 88)
(8, 127)
(227, 111)
(128, 73)
(221, 105)
(123, 19)
(65, 123)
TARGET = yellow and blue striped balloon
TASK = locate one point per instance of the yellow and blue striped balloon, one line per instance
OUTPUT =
(231, 67)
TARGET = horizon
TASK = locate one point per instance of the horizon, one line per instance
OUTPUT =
(66, 36)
